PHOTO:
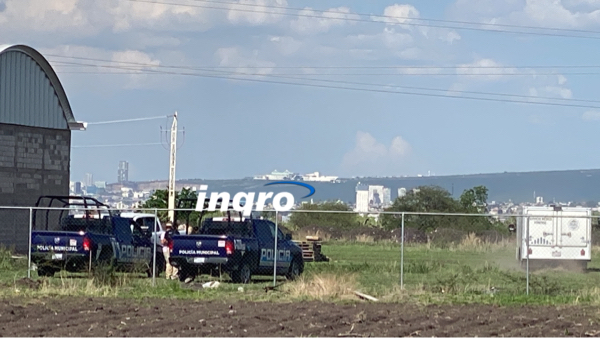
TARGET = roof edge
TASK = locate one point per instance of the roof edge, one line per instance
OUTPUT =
(50, 73)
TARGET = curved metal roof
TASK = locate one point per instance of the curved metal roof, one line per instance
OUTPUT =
(49, 73)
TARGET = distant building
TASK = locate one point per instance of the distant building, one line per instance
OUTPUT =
(362, 198)
(100, 184)
(376, 195)
(316, 177)
(123, 173)
(387, 197)
(77, 188)
(277, 176)
(89, 180)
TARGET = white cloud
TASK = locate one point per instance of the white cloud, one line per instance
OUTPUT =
(132, 63)
(484, 70)
(591, 116)
(157, 17)
(564, 93)
(244, 61)
(82, 18)
(311, 22)
(404, 17)
(372, 157)
(45, 16)
(286, 45)
(258, 12)
(543, 13)
(398, 15)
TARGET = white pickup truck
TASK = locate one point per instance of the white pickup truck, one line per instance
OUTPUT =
(147, 222)
(554, 235)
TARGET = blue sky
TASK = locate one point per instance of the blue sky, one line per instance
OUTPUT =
(236, 128)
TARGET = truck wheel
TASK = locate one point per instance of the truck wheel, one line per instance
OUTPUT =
(295, 270)
(45, 272)
(242, 275)
(185, 276)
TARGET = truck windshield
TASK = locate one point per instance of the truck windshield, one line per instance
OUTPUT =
(224, 228)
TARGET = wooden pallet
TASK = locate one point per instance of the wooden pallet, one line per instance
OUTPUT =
(311, 249)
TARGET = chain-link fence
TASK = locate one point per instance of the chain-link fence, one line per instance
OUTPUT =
(538, 251)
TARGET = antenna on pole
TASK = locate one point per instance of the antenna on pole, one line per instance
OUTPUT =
(172, 146)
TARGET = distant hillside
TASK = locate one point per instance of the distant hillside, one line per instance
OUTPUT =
(571, 185)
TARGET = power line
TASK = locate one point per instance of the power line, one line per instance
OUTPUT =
(378, 85)
(64, 63)
(403, 17)
(128, 120)
(116, 145)
(329, 67)
(371, 21)
(354, 88)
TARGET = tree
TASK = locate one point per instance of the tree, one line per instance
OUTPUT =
(474, 200)
(428, 199)
(344, 219)
(435, 199)
(159, 200)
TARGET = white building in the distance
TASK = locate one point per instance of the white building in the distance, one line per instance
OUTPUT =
(316, 177)
(376, 195)
(387, 197)
(362, 198)
(277, 176)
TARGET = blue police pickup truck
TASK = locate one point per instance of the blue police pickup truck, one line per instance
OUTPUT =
(84, 233)
(240, 247)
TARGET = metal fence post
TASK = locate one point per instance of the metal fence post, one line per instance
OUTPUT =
(402, 256)
(29, 245)
(154, 241)
(275, 251)
(527, 222)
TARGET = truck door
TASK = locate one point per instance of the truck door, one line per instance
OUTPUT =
(266, 244)
(573, 229)
(542, 229)
(132, 250)
(266, 238)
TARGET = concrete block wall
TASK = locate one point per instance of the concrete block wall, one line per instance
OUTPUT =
(33, 162)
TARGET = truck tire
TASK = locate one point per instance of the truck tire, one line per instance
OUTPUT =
(242, 275)
(295, 269)
(43, 271)
(186, 275)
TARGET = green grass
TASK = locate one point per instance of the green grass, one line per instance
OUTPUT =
(460, 274)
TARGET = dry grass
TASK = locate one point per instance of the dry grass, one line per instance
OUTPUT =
(64, 286)
(324, 286)
(472, 242)
(365, 239)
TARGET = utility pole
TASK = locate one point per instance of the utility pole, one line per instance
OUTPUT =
(172, 163)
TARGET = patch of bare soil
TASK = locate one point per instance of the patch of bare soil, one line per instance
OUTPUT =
(155, 317)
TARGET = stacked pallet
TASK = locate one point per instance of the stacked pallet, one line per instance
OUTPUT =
(311, 249)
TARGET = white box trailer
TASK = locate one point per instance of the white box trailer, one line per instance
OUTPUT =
(554, 234)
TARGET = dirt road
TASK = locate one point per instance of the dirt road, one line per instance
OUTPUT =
(154, 317)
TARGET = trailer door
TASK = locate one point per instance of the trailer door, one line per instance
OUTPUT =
(541, 228)
(573, 229)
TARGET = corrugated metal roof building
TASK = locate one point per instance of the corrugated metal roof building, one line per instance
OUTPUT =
(35, 138)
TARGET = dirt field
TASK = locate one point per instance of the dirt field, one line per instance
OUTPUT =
(119, 317)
